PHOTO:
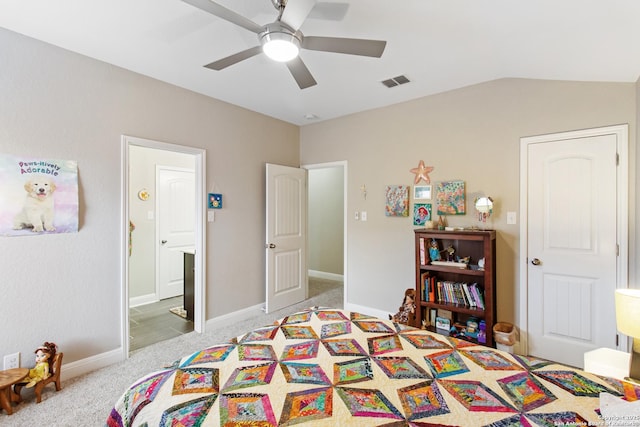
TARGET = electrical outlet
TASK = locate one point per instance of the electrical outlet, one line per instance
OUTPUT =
(12, 361)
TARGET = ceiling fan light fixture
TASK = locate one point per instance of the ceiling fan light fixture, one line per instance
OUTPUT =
(280, 46)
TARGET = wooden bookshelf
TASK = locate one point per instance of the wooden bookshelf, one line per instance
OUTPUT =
(460, 302)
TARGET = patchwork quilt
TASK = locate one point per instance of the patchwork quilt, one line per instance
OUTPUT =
(327, 367)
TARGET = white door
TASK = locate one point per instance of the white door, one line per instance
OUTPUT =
(176, 226)
(572, 235)
(286, 237)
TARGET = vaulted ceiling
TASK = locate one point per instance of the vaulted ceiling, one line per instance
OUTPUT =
(437, 45)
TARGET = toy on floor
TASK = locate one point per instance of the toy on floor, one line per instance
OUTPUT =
(408, 308)
(44, 359)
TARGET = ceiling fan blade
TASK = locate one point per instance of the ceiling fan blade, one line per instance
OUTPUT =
(330, 11)
(234, 59)
(363, 47)
(226, 14)
(301, 73)
(296, 11)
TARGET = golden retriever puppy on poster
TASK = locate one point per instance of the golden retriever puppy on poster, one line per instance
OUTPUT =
(38, 209)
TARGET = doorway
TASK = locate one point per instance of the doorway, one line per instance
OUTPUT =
(142, 215)
(573, 241)
(327, 221)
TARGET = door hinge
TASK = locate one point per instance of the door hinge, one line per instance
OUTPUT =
(617, 159)
(617, 340)
(617, 249)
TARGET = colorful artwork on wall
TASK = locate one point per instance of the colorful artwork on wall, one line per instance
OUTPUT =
(397, 200)
(450, 197)
(215, 201)
(421, 213)
(38, 196)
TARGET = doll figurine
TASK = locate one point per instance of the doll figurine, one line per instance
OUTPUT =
(405, 312)
(434, 251)
(44, 359)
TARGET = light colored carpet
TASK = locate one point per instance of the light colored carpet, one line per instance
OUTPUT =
(88, 399)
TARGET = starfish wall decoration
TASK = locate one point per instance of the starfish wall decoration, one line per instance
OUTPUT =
(422, 172)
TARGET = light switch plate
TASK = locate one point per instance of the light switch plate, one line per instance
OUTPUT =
(511, 218)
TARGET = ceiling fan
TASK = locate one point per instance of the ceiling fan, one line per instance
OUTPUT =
(282, 39)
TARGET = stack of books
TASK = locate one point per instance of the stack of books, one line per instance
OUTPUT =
(460, 293)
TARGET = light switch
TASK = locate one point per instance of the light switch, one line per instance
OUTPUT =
(511, 218)
(150, 215)
(357, 216)
(211, 216)
(363, 215)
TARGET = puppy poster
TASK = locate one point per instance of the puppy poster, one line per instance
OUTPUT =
(38, 196)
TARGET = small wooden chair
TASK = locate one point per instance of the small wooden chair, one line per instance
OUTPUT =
(53, 378)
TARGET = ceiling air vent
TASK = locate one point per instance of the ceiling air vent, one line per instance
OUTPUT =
(396, 81)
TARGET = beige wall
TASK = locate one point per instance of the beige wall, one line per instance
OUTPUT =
(56, 104)
(472, 134)
(326, 220)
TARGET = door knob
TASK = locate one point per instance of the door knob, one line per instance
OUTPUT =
(536, 261)
(163, 241)
(270, 246)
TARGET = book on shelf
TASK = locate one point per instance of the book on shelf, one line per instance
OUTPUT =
(467, 293)
(427, 284)
(459, 293)
(432, 292)
(424, 282)
(423, 258)
(479, 295)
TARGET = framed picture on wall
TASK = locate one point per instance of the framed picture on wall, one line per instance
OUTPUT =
(397, 200)
(422, 192)
(421, 213)
(214, 201)
(451, 199)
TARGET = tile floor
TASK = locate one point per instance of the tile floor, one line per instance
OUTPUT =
(152, 323)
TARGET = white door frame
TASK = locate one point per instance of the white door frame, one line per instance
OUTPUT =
(343, 165)
(622, 135)
(200, 227)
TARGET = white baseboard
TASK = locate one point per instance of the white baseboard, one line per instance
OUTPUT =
(142, 300)
(234, 317)
(325, 275)
(90, 364)
(367, 310)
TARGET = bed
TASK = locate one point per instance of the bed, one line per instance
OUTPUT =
(329, 367)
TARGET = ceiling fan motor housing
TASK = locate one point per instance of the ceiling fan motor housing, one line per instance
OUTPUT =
(280, 42)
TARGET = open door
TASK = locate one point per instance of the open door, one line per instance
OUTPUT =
(286, 237)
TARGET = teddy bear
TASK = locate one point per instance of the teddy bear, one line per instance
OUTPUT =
(44, 359)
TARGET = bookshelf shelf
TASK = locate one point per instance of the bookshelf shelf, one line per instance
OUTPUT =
(461, 293)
